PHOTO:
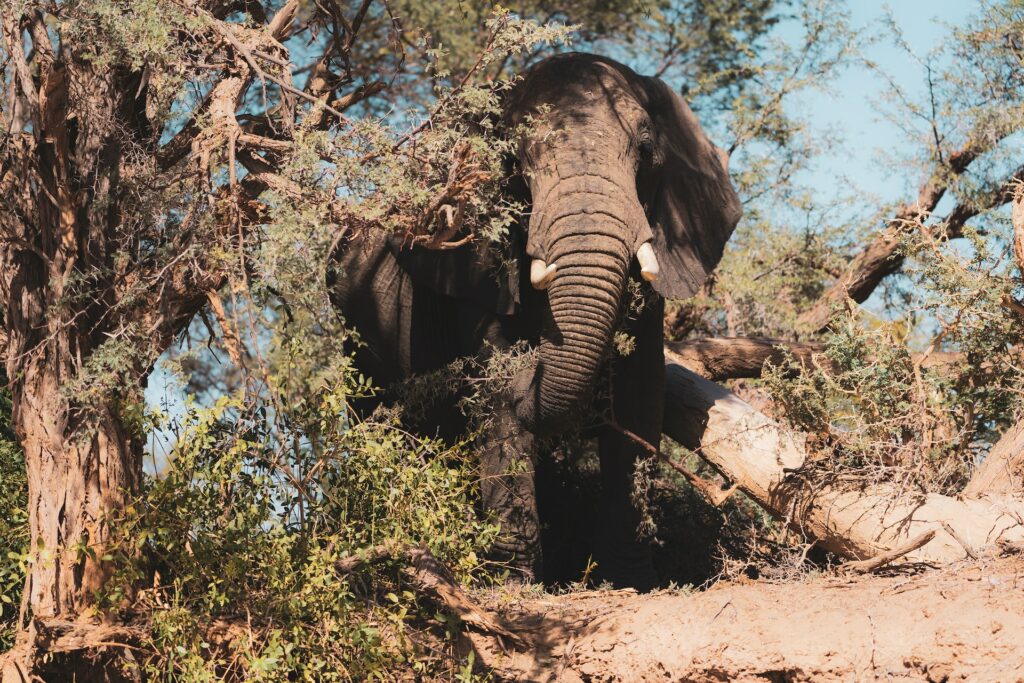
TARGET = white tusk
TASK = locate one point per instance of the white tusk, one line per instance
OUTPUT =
(649, 268)
(541, 274)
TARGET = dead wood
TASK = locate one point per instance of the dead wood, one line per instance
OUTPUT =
(766, 461)
(879, 561)
(723, 358)
(1002, 471)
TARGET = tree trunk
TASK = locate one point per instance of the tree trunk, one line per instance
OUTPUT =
(764, 460)
(81, 472)
(92, 284)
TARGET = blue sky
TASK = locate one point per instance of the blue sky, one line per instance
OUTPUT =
(852, 106)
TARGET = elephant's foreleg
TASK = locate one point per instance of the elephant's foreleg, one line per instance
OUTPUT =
(507, 491)
(637, 398)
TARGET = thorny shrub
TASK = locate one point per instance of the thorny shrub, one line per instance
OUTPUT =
(875, 411)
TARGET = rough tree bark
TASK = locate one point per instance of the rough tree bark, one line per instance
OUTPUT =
(81, 458)
(764, 459)
(85, 295)
(722, 358)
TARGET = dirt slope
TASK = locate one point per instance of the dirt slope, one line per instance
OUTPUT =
(964, 622)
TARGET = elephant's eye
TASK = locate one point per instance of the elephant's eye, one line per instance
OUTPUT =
(646, 147)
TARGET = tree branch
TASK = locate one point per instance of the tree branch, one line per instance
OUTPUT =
(881, 258)
(724, 358)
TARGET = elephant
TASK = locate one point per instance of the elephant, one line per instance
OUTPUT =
(629, 190)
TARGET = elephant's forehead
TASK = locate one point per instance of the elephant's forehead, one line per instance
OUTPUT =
(578, 91)
(582, 115)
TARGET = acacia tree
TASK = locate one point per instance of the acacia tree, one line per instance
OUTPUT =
(905, 389)
(151, 150)
(147, 145)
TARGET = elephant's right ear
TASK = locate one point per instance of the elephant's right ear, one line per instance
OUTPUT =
(485, 273)
(694, 207)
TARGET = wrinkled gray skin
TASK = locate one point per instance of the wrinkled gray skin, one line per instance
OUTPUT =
(617, 160)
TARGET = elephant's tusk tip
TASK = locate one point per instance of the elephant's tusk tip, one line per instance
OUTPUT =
(541, 274)
(649, 268)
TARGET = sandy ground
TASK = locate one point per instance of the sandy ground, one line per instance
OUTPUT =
(963, 622)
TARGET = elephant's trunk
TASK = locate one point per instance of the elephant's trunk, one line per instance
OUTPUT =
(593, 251)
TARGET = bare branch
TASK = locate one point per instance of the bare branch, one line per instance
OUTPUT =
(723, 358)
(881, 258)
(879, 561)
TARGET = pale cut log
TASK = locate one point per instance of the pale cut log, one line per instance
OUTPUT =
(1002, 471)
(764, 459)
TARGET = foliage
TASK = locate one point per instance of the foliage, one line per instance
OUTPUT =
(243, 531)
(13, 524)
(916, 386)
(875, 410)
(384, 115)
(920, 393)
(790, 242)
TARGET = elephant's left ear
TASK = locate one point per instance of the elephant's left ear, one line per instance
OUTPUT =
(694, 207)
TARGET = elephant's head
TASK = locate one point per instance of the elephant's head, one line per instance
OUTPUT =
(620, 176)
(619, 173)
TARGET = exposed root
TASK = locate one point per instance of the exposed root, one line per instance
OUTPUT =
(883, 559)
(58, 650)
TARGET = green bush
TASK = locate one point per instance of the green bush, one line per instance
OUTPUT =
(13, 524)
(241, 533)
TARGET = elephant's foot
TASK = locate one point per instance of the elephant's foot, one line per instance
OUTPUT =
(522, 558)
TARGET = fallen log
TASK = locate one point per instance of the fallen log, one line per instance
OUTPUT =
(765, 460)
(722, 358)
